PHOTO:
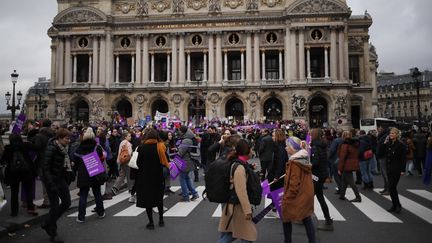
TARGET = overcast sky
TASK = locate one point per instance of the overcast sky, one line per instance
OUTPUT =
(401, 33)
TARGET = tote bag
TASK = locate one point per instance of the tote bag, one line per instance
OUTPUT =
(133, 160)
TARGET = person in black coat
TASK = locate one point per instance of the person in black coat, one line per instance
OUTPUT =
(265, 152)
(15, 151)
(395, 154)
(277, 169)
(56, 176)
(150, 183)
(320, 169)
(84, 181)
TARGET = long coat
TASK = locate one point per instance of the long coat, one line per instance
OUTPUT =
(7, 158)
(149, 181)
(83, 178)
(298, 198)
(348, 156)
(239, 226)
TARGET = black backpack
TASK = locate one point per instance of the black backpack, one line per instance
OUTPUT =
(19, 165)
(253, 185)
(217, 181)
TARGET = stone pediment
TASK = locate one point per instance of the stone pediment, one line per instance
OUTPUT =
(80, 15)
(317, 7)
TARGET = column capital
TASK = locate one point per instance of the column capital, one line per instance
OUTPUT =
(242, 50)
(151, 52)
(262, 50)
(281, 49)
(168, 52)
(326, 46)
(205, 51)
(225, 50)
(188, 52)
(307, 47)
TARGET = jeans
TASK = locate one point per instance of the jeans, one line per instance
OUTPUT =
(83, 201)
(226, 237)
(318, 188)
(348, 179)
(187, 185)
(383, 166)
(309, 226)
(366, 171)
(409, 166)
(374, 164)
(57, 209)
(336, 176)
(418, 164)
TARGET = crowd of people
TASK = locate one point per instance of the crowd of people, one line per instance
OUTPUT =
(305, 160)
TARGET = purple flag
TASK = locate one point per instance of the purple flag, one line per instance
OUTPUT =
(276, 197)
(19, 124)
(174, 171)
(265, 187)
(93, 164)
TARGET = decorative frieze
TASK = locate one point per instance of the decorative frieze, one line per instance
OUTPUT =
(317, 6)
(233, 4)
(124, 7)
(214, 6)
(252, 6)
(178, 7)
(271, 3)
(161, 5)
(196, 4)
(142, 8)
(79, 16)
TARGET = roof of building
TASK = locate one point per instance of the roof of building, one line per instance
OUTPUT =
(385, 79)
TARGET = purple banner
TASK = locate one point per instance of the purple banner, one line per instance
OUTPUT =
(265, 187)
(174, 171)
(19, 124)
(93, 164)
(179, 162)
(276, 197)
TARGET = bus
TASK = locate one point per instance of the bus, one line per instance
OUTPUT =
(373, 123)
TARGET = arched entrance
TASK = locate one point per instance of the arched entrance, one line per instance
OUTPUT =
(124, 108)
(196, 110)
(81, 111)
(273, 109)
(234, 109)
(159, 105)
(318, 112)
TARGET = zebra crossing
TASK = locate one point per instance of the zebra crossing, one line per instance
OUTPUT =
(373, 209)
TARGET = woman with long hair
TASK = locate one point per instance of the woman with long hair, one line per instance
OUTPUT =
(280, 156)
(150, 182)
(298, 198)
(348, 163)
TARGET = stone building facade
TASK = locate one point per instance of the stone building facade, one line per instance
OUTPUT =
(215, 59)
(37, 98)
(397, 96)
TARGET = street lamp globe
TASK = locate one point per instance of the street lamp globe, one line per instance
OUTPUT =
(8, 97)
(14, 77)
(19, 96)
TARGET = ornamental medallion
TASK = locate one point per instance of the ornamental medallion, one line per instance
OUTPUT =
(233, 4)
(196, 4)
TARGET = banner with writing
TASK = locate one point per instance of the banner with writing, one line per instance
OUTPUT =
(93, 164)
(17, 128)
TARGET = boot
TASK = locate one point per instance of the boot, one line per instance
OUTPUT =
(365, 185)
(327, 226)
(371, 185)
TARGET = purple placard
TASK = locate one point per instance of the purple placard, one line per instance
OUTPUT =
(19, 124)
(174, 171)
(179, 162)
(93, 164)
(276, 197)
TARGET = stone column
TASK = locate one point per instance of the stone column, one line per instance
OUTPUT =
(90, 68)
(333, 55)
(218, 58)
(242, 64)
(301, 55)
(138, 59)
(68, 64)
(326, 72)
(102, 62)
(152, 64)
(117, 68)
(145, 61)
(205, 65)
(287, 53)
(181, 59)
(294, 73)
(225, 65)
(249, 72)
(263, 67)
(257, 77)
(211, 68)
(168, 67)
(174, 59)
(74, 74)
(95, 60)
(109, 59)
(308, 62)
(280, 65)
(54, 62)
(133, 69)
(60, 66)
(346, 60)
(366, 59)
(188, 67)
(341, 56)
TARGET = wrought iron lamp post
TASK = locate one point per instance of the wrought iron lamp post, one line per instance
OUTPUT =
(13, 107)
(415, 73)
(41, 104)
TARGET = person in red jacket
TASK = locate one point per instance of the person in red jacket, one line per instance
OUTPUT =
(348, 163)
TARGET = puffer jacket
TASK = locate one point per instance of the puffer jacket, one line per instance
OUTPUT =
(319, 159)
(348, 156)
(184, 150)
(83, 178)
(53, 166)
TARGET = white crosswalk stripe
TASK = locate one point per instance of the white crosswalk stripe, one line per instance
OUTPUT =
(413, 207)
(369, 206)
(372, 210)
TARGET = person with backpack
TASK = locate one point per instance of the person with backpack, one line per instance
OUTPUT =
(348, 163)
(184, 151)
(365, 160)
(84, 181)
(298, 197)
(123, 157)
(19, 169)
(236, 221)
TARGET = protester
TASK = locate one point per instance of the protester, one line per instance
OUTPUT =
(19, 169)
(84, 181)
(298, 198)
(265, 152)
(366, 163)
(348, 163)
(150, 183)
(420, 142)
(395, 154)
(56, 171)
(235, 222)
(334, 159)
(383, 132)
(124, 168)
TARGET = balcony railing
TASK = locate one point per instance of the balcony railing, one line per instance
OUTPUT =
(159, 84)
(272, 82)
(196, 84)
(81, 85)
(230, 83)
(319, 81)
(123, 85)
